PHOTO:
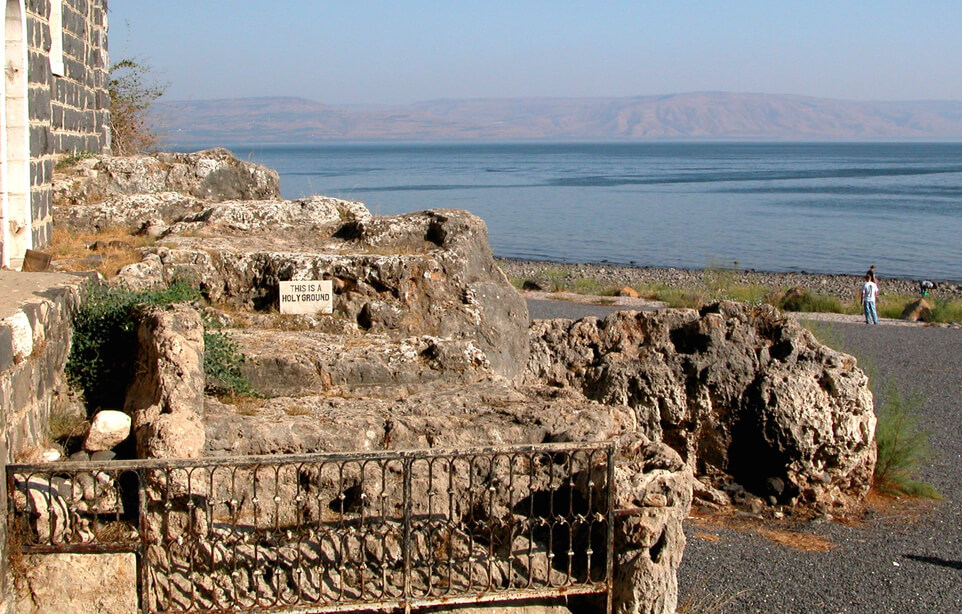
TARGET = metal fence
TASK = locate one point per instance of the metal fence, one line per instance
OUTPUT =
(334, 532)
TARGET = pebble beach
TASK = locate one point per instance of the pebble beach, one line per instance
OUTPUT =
(844, 287)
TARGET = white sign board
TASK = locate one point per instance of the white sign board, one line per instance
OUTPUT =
(307, 297)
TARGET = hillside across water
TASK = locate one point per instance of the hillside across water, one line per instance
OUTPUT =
(703, 115)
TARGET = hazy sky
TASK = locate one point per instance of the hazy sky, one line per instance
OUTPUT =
(355, 51)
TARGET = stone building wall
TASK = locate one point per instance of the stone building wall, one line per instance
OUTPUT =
(69, 113)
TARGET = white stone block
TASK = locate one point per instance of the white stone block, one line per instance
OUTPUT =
(108, 428)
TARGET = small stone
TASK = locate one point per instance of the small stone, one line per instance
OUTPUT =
(108, 428)
(153, 228)
(776, 486)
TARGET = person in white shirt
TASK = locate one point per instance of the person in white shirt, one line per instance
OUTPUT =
(869, 292)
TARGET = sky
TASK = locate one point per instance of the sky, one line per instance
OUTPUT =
(366, 52)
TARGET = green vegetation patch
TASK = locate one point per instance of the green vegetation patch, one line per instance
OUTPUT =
(103, 353)
(902, 447)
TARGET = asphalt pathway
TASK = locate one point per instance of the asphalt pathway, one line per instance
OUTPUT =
(904, 557)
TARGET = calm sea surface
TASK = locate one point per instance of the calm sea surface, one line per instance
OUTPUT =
(816, 207)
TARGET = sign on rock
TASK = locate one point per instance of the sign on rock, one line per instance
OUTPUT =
(307, 297)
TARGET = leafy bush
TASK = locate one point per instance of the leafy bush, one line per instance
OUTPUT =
(103, 352)
(222, 364)
(104, 344)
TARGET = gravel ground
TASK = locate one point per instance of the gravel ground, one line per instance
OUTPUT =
(903, 557)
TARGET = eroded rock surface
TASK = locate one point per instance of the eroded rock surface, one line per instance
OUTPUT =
(213, 174)
(427, 273)
(295, 363)
(166, 398)
(736, 390)
(653, 484)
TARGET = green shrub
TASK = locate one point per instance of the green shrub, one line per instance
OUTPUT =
(902, 446)
(104, 343)
(103, 353)
(68, 160)
(584, 285)
(945, 310)
(222, 364)
(891, 309)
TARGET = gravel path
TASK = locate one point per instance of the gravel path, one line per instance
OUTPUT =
(903, 557)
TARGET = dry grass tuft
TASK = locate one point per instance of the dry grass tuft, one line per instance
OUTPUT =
(898, 509)
(705, 601)
(796, 540)
(245, 405)
(117, 246)
(298, 410)
(775, 531)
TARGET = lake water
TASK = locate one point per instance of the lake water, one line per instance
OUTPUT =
(816, 207)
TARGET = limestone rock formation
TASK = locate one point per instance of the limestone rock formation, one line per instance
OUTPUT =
(654, 488)
(166, 398)
(213, 174)
(737, 390)
(653, 485)
(296, 363)
(428, 273)
(78, 583)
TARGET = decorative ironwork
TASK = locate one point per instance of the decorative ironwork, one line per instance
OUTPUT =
(332, 532)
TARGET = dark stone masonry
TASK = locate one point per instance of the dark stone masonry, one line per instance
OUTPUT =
(68, 106)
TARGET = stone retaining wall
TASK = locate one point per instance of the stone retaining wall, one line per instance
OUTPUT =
(35, 334)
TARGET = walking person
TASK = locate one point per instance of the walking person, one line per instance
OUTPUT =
(869, 293)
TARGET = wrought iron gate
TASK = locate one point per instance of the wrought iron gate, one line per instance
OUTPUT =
(333, 532)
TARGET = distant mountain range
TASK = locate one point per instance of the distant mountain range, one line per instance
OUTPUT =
(705, 115)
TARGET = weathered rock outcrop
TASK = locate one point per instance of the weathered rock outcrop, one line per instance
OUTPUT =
(428, 273)
(166, 399)
(296, 363)
(736, 390)
(654, 493)
(653, 485)
(213, 174)
(79, 583)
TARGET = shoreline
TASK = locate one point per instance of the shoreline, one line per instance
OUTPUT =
(842, 286)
